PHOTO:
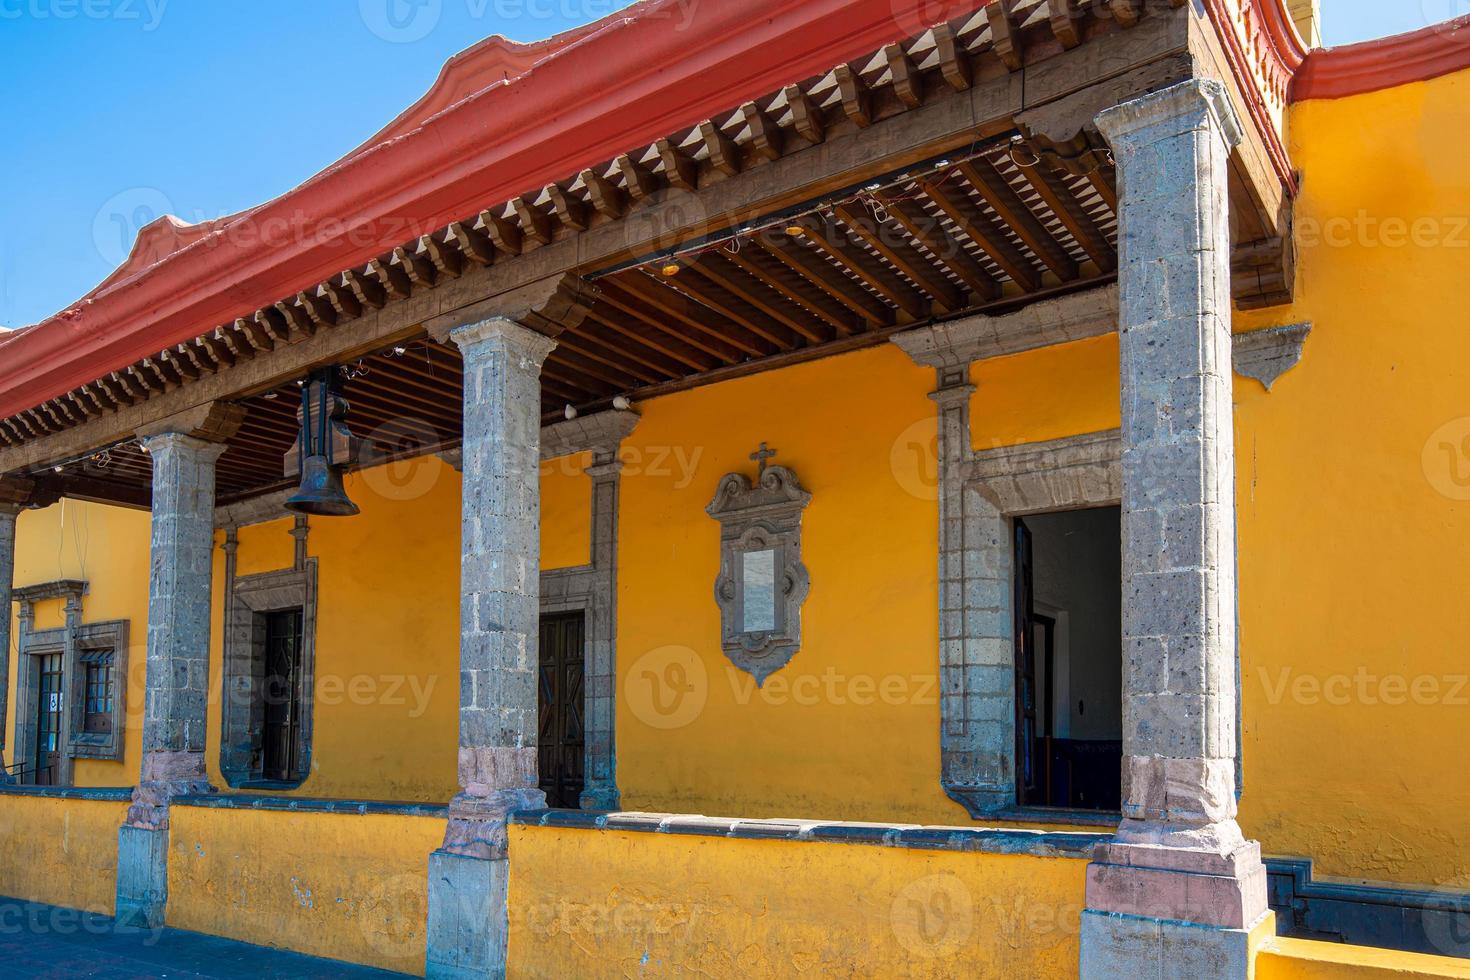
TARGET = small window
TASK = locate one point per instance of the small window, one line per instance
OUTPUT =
(97, 717)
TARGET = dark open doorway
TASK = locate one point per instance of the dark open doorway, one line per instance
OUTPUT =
(1069, 660)
(562, 735)
(281, 728)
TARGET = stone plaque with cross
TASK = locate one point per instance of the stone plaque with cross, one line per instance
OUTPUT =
(762, 582)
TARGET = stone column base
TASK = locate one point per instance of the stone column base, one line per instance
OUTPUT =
(1115, 946)
(142, 877)
(601, 796)
(1226, 891)
(469, 921)
(477, 822)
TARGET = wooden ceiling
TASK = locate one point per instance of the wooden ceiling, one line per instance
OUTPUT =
(982, 230)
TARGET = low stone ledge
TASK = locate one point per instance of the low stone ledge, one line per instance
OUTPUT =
(988, 841)
(246, 801)
(110, 794)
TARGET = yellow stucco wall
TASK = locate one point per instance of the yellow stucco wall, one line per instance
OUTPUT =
(347, 887)
(108, 548)
(1354, 502)
(694, 734)
(1300, 959)
(618, 904)
(60, 851)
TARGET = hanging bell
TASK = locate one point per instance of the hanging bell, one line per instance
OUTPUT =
(322, 451)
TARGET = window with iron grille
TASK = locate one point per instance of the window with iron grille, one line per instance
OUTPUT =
(97, 719)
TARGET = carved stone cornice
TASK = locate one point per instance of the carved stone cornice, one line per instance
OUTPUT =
(600, 433)
(1266, 355)
(257, 510)
(588, 433)
(548, 306)
(46, 591)
(961, 342)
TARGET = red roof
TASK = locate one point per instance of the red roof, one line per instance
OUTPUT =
(502, 119)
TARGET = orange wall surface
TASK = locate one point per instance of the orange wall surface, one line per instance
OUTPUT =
(1354, 502)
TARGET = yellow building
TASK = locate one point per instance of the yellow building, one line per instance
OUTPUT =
(1003, 463)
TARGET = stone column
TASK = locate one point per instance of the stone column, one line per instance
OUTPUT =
(601, 682)
(183, 452)
(499, 631)
(8, 514)
(1179, 856)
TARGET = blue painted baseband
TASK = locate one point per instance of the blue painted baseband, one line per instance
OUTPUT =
(305, 804)
(1388, 916)
(111, 794)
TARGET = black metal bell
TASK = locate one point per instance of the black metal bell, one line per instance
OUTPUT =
(324, 447)
(321, 493)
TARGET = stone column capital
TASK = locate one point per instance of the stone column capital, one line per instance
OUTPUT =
(500, 335)
(164, 442)
(1186, 105)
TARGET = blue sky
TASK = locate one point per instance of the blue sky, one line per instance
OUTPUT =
(117, 110)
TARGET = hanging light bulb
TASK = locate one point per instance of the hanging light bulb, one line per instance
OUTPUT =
(670, 269)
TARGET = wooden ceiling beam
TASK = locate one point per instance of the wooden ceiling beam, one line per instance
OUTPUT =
(806, 118)
(589, 350)
(1055, 194)
(616, 375)
(903, 256)
(1005, 39)
(631, 349)
(926, 230)
(857, 101)
(1004, 201)
(752, 261)
(976, 226)
(655, 337)
(831, 239)
(802, 261)
(606, 197)
(699, 290)
(710, 266)
(680, 171)
(666, 302)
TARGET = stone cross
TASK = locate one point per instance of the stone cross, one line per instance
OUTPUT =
(761, 457)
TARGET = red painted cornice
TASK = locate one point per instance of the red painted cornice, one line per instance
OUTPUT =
(1356, 69)
(1276, 59)
(626, 81)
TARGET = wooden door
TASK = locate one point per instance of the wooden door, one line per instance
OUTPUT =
(1028, 729)
(49, 707)
(562, 732)
(282, 722)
